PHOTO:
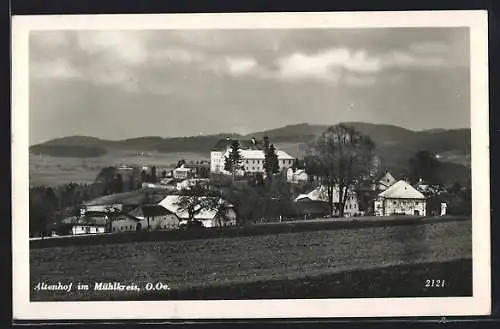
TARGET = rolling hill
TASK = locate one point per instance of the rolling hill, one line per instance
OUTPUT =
(395, 145)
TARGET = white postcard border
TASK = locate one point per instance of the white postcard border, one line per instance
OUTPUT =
(479, 304)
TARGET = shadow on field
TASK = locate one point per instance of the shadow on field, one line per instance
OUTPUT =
(392, 281)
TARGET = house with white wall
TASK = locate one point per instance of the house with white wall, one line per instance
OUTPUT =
(225, 216)
(181, 173)
(351, 206)
(386, 181)
(400, 199)
(155, 217)
(297, 176)
(252, 155)
(85, 224)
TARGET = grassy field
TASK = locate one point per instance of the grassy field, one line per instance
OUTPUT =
(238, 262)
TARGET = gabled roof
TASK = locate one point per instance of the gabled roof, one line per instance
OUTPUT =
(150, 211)
(387, 180)
(85, 220)
(222, 144)
(401, 190)
(259, 154)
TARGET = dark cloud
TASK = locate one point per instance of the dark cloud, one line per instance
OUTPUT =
(119, 84)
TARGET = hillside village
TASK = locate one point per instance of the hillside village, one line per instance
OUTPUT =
(254, 182)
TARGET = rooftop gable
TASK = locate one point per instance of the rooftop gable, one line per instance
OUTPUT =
(401, 190)
(245, 144)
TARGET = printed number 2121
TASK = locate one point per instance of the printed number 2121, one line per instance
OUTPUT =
(434, 283)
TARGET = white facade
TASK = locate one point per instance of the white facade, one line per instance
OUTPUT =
(181, 172)
(400, 199)
(298, 176)
(160, 222)
(112, 207)
(351, 206)
(444, 206)
(252, 160)
(124, 224)
(87, 229)
(187, 183)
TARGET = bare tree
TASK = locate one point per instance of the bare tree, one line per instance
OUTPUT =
(198, 198)
(341, 157)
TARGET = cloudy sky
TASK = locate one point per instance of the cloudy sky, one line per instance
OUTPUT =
(123, 84)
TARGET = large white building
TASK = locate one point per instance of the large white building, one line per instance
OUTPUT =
(251, 153)
(400, 199)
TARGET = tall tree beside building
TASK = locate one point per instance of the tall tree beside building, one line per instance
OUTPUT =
(196, 199)
(107, 178)
(271, 164)
(424, 165)
(144, 176)
(295, 165)
(153, 178)
(341, 157)
(266, 142)
(233, 160)
(118, 184)
(134, 182)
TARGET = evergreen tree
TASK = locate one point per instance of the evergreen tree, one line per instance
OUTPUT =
(118, 184)
(271, 164)
(144, 176)
(153, 178)
(233, 161)
(295, 165)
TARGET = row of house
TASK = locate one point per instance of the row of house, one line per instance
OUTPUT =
(108, 215)
(394, 197)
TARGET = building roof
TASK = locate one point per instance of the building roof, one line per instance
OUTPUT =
(223, 144)
(182, 169)
(320, 194)
(150, 211)
(85, 220)
(259, 154)
(387, 180)
(170, 203)
(401, 190)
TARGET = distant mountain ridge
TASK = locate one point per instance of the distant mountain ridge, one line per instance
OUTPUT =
(395, 145)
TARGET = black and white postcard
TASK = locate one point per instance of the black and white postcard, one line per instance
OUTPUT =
(279, 165)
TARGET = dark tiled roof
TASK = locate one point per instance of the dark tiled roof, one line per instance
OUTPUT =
(244, 144)
(151, 210)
